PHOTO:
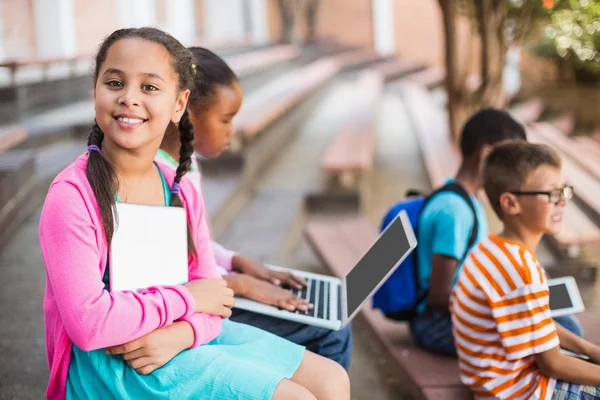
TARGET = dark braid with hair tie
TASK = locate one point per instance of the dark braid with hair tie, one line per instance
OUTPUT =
(103, 180)
(186, 136)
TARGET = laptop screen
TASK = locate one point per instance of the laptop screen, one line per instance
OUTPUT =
(559, 297)
(375, 265)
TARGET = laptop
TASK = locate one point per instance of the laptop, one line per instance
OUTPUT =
(565, 298)
(336, 301)
(149, 247)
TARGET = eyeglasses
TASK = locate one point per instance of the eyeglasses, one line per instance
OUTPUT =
(554, 196)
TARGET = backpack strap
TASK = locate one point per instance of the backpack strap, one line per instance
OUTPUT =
(457, 188)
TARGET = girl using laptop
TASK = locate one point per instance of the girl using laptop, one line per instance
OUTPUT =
(215, 100)
(164, 341)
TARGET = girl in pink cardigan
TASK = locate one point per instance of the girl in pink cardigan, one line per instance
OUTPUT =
(164, 341)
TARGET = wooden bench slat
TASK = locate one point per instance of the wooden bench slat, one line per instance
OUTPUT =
(11, 137)
(529, 112)
(353, 147)
(253, 117)
(447, 393)
(432, 133)
(429, 78)
(566, 123)
(398, 68)
(588, 143)
(582, 156)
(246, 63)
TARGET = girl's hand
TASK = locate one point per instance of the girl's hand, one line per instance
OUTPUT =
(212, 296)
(155, 349)
(259, 271)
(270, 294)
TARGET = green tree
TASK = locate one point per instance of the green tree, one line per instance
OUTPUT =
(571, 27)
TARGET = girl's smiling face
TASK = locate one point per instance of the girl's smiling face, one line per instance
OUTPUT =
(136, 94)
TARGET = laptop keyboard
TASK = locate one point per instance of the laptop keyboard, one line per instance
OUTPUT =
(317, 293)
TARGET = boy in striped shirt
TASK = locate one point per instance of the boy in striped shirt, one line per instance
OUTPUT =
(508, 345)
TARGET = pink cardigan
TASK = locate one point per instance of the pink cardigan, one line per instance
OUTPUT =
(77, 309)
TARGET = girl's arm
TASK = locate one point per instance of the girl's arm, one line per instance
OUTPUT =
(94, 318)
(223, 256)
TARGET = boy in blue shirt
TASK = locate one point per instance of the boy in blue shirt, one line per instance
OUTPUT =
(445, 227)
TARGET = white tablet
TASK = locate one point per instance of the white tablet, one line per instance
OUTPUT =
(149, 247)
(564, 297)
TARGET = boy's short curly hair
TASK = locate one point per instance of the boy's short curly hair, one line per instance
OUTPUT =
(509, 165)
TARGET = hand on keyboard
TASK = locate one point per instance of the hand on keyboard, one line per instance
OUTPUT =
(253, 268)
(267, 293)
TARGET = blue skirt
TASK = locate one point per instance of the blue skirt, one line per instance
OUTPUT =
(243, 362)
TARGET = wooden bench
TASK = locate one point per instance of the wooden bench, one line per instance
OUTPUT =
(299, 84)
(254, 117)
(398, 68)
(596, 134)
(15, 65)
(11, 136)
(340, 244)
(440, 156)
(352, 151)
(249, 63)
(566, 123)
(430, 78)
(589, 144)
(529, 111)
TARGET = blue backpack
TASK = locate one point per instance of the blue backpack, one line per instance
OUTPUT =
(401, 294)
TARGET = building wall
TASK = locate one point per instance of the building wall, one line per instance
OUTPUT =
(419, 31)
(18, 28)
(348, 21)
(94, 20)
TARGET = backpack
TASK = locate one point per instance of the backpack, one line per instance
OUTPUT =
(401, 294)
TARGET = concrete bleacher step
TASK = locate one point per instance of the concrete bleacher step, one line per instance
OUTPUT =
(263, 237)
(12, 136)
(25, 176)
(18, 192)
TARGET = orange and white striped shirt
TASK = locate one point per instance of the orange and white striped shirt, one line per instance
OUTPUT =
(501, 319)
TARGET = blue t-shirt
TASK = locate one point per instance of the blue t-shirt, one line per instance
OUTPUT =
(445, 226)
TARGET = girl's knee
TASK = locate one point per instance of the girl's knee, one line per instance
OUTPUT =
(326, 379)
(338, 384)
(333, 380)
(288, 390)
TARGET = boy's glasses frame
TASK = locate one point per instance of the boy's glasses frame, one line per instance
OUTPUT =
(554, 196)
